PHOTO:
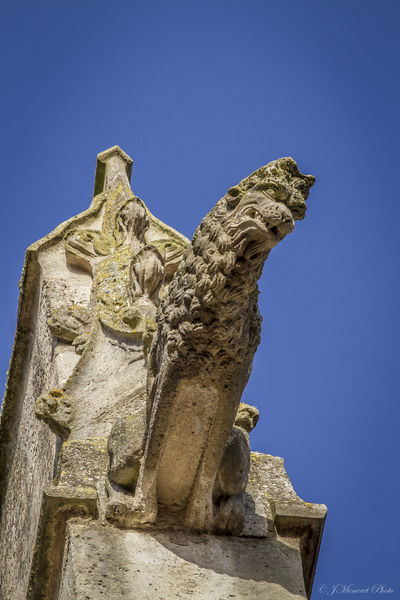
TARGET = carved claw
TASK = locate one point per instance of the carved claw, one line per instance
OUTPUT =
(55, 410)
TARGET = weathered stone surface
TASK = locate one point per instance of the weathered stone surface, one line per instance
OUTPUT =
(166, 566)
(267, 538)
(59, 504)
(274, 507)
(134, 346)
(125, 448)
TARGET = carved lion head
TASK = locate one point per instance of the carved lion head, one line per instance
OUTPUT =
(261, 210)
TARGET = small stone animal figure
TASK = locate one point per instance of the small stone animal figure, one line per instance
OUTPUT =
(202, 353)
(231, 481)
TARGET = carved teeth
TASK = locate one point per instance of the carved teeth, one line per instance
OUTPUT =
(255, 214)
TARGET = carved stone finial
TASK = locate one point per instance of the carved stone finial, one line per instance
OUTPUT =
(114, 167)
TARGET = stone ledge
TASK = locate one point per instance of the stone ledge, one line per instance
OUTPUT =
(59, 504)
(279, 509)
(275, 556)
(105, 562)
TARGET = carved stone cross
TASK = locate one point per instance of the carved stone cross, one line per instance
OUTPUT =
(129, 256)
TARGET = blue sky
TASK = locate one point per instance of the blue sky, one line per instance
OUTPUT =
(200, 94)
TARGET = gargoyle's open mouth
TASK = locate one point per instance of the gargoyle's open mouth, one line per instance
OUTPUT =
(260, 222)
(256, 232)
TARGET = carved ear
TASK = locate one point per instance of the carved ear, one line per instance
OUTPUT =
(233, 196)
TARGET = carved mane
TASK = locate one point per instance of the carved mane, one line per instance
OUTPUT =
(208, 293)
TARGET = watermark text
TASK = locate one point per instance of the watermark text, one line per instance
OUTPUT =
(352, 589)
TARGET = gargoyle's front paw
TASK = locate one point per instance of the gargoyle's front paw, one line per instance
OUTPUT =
(230, 517)
(130, 512)
(199, 516)
(55, 410)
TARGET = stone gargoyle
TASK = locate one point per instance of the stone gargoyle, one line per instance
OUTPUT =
(196, 456)
(185, 318)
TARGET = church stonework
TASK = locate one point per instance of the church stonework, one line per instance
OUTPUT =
(126, 469)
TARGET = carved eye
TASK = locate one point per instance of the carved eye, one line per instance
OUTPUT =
(268, 187)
